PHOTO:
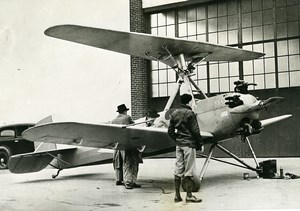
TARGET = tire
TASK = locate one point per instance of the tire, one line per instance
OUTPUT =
(5, 154)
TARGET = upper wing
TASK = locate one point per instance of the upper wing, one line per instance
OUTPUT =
(143, 45)
(103, 136)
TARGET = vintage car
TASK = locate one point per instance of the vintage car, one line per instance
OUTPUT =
(11, 142)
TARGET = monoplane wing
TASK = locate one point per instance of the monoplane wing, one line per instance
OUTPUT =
(34, 161)
(109, 136)
(148, 46)
(273, 120)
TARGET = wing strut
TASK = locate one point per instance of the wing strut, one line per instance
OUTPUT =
(244, 165)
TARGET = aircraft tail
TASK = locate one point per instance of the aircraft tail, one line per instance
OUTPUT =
(34, 161)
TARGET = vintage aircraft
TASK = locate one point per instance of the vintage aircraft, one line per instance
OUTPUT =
(220, 117)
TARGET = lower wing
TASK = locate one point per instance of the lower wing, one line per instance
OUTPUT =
(109, 136)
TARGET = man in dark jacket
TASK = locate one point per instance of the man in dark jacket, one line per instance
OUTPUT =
(185, 131)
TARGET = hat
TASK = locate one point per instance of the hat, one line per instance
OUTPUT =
(185, 98)
(122, 108)
(152, 113)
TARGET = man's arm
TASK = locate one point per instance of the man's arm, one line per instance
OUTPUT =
(171, 130)
(195, 130)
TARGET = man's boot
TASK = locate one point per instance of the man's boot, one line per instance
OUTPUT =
(189, 188)
(177, 189)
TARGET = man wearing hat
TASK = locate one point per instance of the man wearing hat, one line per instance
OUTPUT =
(184, 129)
(125, 162)
(151, 116)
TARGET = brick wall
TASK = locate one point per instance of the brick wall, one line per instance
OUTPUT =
(139, 70)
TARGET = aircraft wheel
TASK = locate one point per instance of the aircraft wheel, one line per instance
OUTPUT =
(5, 154)
(196, 184)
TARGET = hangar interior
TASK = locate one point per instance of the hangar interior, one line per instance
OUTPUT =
(268, 26)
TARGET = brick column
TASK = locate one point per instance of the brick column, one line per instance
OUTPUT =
(139, 69)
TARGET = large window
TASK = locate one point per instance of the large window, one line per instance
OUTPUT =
(269, 26)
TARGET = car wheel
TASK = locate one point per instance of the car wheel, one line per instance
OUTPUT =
(5, 154)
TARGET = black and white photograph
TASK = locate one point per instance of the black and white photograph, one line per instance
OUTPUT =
(157, 105)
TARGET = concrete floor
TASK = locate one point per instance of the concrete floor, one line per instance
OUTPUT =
(93, 188)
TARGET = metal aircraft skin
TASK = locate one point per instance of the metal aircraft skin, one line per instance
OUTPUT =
(220, 117)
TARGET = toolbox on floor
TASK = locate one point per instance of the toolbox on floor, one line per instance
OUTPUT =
(268, 169)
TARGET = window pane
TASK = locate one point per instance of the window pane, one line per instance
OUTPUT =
(258, 48)
(201, 37)
(191, 13)
(232, 7)
(282, 48)
(234, 68)
(232, 22)
(281, 15)
(257, 33)
(213, 38)
(267, 4)
(294, 62)
(161, 18)
(213, 71)
(246, 20)
(224, 85)
(170, 18)
(260, 81)
(249, 79)
(233, 37)
(154, 20)
(270, 81)
(222, 38)
(269, 65)
(171, 31)
(223, 67)
(268, 32)
(222, 8)
(283, 79)
(181, 16)
(222, 24)
(246, 6)
(281, 30)
(256, 5)
(162, 31)
(293, 29)
(192, 28)
(293, 46)
(258, 66)
(295, 78)
(292, 13)
(201, 27)
(202, 72)
(257, 18)
(154, 31)
(212, 25)
(212, 10)
(182, 30)
(154, 65)
(200, 13)
(267, 17)
(248, 67)
(202, 85)
(162, 74)
(269, 49)
(214, 85)
(155, 90)
(247, 35)
(154, 77)
(283, 64)
(163, 90)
